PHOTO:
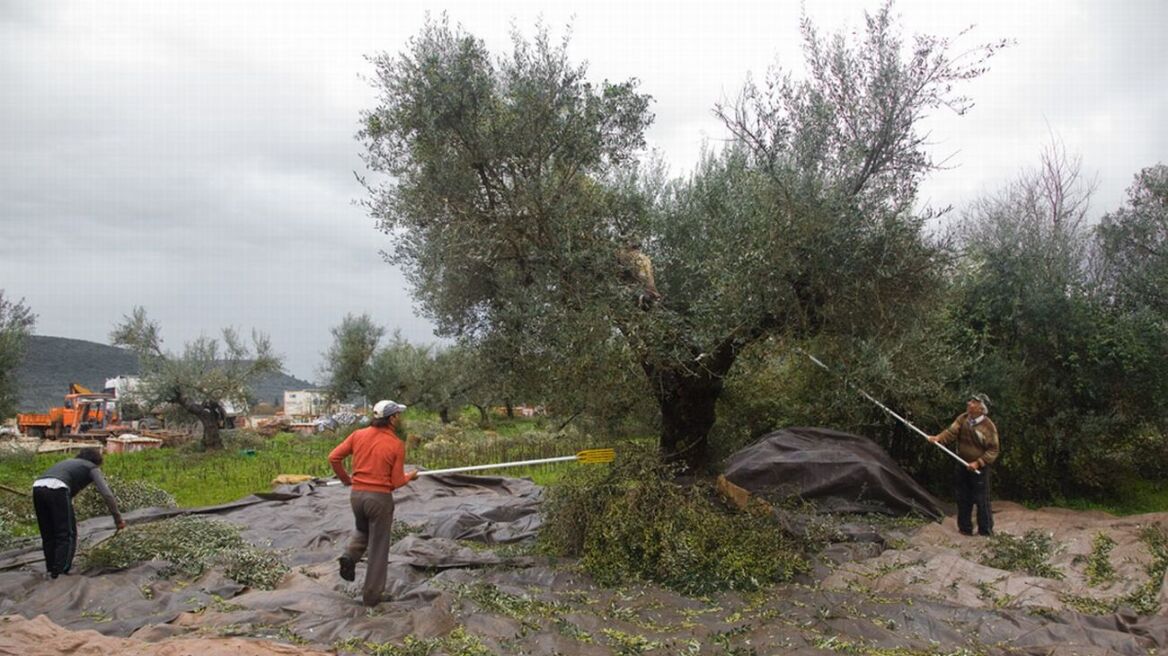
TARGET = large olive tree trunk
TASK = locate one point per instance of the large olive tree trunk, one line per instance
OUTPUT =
(210, 422)
(687, 414)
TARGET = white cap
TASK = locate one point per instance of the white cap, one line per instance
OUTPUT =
(387, 408)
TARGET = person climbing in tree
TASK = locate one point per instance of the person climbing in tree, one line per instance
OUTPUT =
(637, 269)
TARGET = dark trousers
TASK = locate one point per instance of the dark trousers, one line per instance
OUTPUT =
(58, 524)
(973, 489)
(373, 515)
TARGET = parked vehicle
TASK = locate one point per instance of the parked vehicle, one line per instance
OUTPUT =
(84, 414)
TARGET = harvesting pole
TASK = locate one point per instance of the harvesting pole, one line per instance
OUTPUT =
(587, 457)
(889, 411)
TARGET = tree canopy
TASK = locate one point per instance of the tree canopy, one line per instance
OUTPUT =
(442, 379)
(16, 323)
(523, 217)
(346, 364)
(1077, 373)
(1134, 244)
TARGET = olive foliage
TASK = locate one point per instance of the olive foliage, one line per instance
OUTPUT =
(16, 323)
(442, 379)
(1133, 243)
(634, 521)
(523, 217)
(1078, 376)
(197, 381)
(346, 364)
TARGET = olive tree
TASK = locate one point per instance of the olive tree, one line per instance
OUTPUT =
(518, 207)
(1076, 378)
(197, 381)
(403, 372)
(442, 379)
(1133, 242)
(16, 323)
(424, 375)
(346, 364)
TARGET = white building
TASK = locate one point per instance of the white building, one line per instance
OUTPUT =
(305, 403)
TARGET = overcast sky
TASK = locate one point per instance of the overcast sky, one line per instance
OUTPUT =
(197, 158)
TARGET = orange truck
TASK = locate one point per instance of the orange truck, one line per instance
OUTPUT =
(85, 414)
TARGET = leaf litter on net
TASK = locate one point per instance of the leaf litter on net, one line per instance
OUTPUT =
(190, 545)
(131, 494)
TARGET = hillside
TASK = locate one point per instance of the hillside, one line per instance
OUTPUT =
(51, 363)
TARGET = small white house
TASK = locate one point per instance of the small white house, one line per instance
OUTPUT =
(307, 403)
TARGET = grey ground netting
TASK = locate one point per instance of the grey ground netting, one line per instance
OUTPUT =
(880, 587)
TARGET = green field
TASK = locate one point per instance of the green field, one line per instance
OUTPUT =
(248, 463)
(197, 478)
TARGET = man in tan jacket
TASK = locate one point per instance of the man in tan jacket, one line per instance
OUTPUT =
(977, 444)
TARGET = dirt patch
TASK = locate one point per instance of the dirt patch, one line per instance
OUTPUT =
(939, 563)
(41, 637)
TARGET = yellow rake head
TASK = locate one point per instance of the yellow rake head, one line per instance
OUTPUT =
(596, 456)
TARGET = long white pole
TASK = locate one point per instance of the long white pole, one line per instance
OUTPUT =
(497, 465)
(886, 409)
(517, 463)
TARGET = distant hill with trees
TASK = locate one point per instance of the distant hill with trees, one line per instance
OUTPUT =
(51, 363)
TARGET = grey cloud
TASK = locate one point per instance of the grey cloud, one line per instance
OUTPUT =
(198, 159)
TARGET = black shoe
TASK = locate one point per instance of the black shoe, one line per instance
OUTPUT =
(985, 534)
(966, 533)
(348, 568)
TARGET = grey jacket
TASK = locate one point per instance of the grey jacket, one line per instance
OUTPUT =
(78, 474)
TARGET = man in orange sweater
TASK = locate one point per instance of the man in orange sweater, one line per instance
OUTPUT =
(378, 459)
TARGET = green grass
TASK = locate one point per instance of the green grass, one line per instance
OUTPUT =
(247, 464)
(196, 478)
